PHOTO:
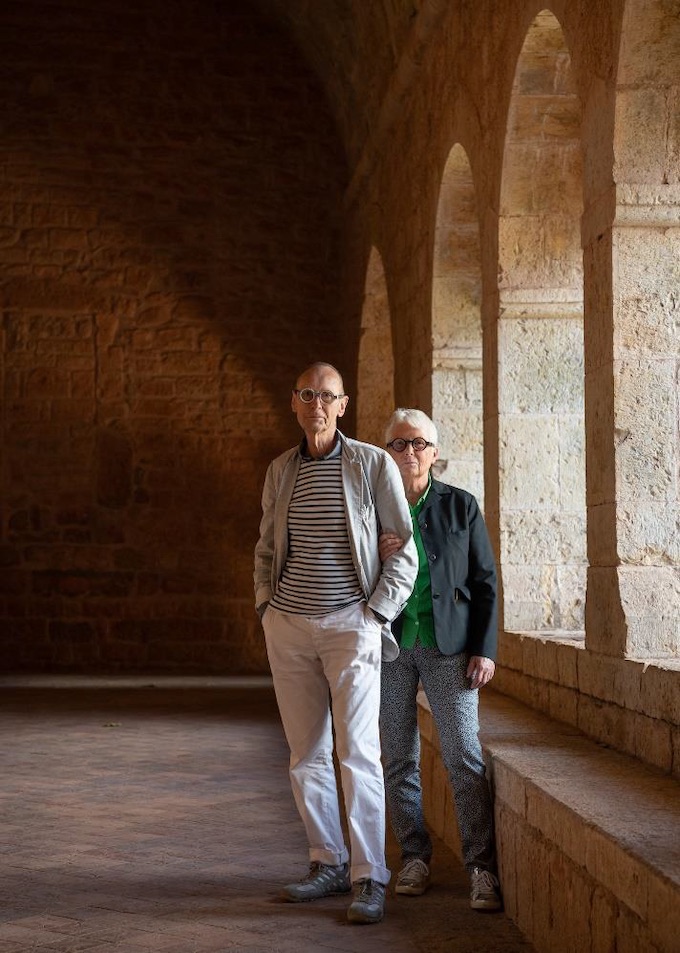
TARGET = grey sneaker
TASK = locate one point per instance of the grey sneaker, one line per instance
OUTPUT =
(484, 890)
(323, 880)
(414, 878)
(368, 905)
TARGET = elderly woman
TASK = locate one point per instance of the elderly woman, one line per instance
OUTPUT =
(447, 637)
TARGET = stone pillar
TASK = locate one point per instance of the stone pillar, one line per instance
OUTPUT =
(633, 457)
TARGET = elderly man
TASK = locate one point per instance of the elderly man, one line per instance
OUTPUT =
(326, 599)
(447, 635)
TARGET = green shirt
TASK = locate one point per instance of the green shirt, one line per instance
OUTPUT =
(418, 619)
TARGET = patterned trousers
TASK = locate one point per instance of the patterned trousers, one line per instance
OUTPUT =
(455, 710)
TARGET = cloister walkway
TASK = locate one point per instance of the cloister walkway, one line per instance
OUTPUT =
(154, 815)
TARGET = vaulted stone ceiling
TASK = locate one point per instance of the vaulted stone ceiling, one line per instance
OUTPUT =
(361, 51)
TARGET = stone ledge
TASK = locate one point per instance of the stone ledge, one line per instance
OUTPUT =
(630, 705)
(589, 839)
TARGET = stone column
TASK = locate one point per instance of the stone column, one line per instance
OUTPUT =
(632, 309)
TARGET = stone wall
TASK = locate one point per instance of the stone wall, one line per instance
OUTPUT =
(170, 217)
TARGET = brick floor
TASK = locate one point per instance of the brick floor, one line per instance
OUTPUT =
(157, 818)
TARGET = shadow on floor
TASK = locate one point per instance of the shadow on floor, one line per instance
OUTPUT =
(152, 817)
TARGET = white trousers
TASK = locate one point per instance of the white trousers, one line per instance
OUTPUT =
(326, 672)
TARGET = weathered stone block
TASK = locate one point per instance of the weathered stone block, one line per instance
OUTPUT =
(467, 474)
(528, 482)
(610, 679)
(642, 133)
(617, 871)
(510, 650)
(632, 933)
(545, 536)
(649, 533)
(663, 913)
(609, 724)
(563, 704)
(645, 416)
(570, 890)
(603, 915)
(654, 742)
(568, 655)
(659, 691)
(527, 861)
(540, 658)
(650, 598)
(606, 631)
(556, 822)
(542, 367)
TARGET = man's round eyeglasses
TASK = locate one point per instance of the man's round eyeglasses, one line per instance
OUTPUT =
(418, 444)
(307, 395)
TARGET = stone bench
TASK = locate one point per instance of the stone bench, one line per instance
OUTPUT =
(588, 838)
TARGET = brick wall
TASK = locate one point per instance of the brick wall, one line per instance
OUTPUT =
(170, 189)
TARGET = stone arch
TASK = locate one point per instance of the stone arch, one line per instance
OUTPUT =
(457, 328)
(540, 343)
(375, 377)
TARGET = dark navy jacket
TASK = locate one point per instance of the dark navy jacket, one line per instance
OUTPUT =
(462, 573)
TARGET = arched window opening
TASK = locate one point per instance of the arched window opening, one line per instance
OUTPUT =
(457, 329)
(375, 378)
(540, 342)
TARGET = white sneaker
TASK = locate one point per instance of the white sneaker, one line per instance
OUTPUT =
(485, 891)
(414, 878)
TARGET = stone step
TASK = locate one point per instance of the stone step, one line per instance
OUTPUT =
(589, 839)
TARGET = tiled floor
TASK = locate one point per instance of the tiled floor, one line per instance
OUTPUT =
(158, 817)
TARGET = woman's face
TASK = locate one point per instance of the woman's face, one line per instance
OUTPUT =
(414, 465)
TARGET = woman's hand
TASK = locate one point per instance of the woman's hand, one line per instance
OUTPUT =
(388, 545)
(480, 671)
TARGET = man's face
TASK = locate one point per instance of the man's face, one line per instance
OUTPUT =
(318, 417)
(414, 465)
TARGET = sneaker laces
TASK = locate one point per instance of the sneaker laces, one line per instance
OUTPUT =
(316, 868)
(366, 892)
(484, 881)
(414, 869)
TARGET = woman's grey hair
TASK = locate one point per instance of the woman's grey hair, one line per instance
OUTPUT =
(416, 418)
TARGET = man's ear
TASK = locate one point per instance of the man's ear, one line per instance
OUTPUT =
(292, 403)
(343, 406)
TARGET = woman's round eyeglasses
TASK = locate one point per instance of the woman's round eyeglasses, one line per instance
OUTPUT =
(307, 395)
(418, 444)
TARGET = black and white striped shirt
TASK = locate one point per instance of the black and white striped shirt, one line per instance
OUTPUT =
(319, 575)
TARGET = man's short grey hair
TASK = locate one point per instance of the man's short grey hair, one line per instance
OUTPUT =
(415, 418)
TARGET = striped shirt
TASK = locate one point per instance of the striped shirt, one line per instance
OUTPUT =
(319, 575)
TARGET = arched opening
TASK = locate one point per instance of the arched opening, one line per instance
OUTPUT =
(540, 344)
(457, 328)
(375, 378)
